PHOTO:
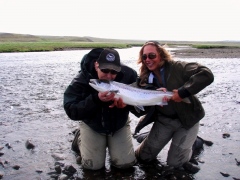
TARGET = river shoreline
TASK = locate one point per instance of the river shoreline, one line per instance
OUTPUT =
(185, 52)
(207, 53)
(189, 52)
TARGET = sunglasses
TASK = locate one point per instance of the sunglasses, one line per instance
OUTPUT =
(149, 56)
(106, 71)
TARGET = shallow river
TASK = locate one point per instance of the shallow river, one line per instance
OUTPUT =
(31, 96)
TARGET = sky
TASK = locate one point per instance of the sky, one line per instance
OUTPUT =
(190, 20)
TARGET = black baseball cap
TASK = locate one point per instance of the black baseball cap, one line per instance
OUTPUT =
(109, 59)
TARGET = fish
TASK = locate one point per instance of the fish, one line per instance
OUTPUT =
(132, 95)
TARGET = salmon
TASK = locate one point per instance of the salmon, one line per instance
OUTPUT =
(131, 95)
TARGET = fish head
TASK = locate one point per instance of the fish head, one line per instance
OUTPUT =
(100, 85)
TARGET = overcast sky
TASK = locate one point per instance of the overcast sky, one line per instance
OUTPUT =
(124, 19)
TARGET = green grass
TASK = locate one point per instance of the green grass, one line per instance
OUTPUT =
(211, 46)
(28, 43)
(55, 46)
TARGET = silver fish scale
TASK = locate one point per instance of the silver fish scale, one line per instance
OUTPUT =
(131, 95)
(138, 93)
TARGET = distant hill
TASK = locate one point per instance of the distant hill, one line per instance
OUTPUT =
(11, 37)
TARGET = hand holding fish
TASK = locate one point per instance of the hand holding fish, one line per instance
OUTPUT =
(176, 96)
(118, 102)
(106, 96)
(165, 99)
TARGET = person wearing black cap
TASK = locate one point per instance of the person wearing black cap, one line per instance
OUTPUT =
(104, 120)
(178, 121)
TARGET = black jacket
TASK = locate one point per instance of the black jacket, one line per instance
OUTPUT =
(81, 101)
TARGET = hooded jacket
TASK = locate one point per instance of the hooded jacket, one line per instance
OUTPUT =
(81, 102)
(189, 79)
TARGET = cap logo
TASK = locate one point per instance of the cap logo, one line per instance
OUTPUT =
(110, 57)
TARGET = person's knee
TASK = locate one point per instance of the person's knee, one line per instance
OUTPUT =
(146, 153)
(178, 156)
(144, 159)
(92, 165)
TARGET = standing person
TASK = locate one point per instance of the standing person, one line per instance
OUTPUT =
(104, 120)
(178, 121)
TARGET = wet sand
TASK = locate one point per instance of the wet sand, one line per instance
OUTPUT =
(31, 110)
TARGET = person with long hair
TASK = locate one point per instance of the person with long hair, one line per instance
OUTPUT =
(178, 121)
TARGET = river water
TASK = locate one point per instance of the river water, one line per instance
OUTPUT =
(31, 96)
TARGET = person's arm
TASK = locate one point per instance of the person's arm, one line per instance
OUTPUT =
(80, 101)
(196, 77)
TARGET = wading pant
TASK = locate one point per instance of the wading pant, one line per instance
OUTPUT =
(93, 146)
(164, 130)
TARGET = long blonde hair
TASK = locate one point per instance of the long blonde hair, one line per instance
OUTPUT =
(164, 54)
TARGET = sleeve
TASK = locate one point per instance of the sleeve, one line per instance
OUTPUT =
(79, 100)
(196, 77)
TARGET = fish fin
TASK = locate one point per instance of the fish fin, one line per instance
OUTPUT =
(114, 91)
(138, 108)
(162, 103)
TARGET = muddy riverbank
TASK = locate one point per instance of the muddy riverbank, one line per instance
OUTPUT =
(207, 53)
(31, 111)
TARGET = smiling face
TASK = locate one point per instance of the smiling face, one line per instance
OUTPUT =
(152, 58)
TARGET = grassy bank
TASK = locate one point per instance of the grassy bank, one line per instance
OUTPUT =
(214, 46)
(30, 43)
(54, 46)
